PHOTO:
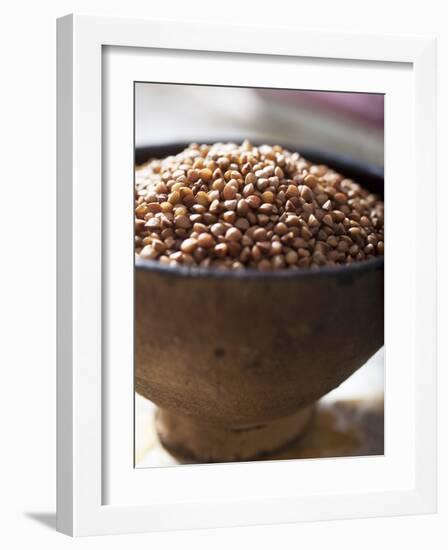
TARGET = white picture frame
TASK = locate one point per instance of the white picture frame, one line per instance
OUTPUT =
(98, 489)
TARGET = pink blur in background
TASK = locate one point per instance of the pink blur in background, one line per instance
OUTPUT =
(345, 123)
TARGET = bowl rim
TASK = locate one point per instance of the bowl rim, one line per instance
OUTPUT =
(184, 271)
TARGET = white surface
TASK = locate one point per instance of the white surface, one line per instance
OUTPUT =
(28, 463)
(400, 482)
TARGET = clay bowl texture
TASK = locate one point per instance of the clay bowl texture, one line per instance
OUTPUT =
(234, 350)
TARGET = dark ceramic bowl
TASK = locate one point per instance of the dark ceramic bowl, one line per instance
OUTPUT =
(235, 359)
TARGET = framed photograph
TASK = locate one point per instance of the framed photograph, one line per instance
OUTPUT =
(246, 282)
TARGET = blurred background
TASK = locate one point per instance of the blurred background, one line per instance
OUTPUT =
(346, 123)
(350, 419)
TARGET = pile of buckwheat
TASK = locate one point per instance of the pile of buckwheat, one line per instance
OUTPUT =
(238, 206)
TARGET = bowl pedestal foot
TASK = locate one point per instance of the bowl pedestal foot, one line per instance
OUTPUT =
(189, 440)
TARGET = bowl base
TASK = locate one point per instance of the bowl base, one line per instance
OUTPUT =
(191, 441)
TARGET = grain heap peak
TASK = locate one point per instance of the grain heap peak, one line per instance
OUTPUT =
(237, 206)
